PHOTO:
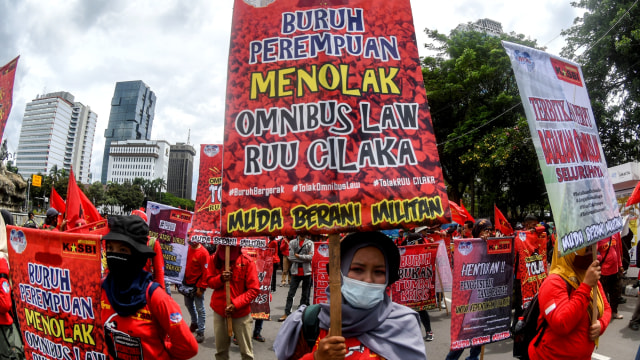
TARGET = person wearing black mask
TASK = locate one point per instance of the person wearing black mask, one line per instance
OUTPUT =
(139, 322)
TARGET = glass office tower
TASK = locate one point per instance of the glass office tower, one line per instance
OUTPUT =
(131, 117)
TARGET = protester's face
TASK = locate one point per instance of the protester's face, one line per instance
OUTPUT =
(529, 225)
(368, 266)
(117, 247)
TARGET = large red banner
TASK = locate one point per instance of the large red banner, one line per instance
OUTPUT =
(417, 285)
(482, 286)
(7, 76)
(206, 217)
(57, 292)
(531, 254)
(327, 127)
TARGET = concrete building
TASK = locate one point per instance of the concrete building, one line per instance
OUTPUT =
(181, 170)
(131, 118)
(488, 26)
(130, 159)
(56, 131)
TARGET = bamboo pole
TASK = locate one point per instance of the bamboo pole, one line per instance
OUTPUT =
(335, 283)
(594, 305)
(227, 287)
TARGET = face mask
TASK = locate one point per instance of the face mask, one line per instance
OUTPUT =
(360, 294)
(124, 265)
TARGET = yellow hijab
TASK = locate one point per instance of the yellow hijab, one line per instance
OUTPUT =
(563, 266)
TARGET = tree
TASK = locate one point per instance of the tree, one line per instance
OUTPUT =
(609, 36)
(483, 140)
(95, 192)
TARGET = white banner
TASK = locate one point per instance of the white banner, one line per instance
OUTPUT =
(564, 133)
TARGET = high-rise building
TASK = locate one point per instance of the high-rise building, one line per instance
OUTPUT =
(56, 131)
(131, 118)
(130, 159)
(180, 170)
(488, 26)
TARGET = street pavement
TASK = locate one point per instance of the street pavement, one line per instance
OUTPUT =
(618, 342)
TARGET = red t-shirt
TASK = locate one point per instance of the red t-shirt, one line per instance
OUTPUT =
(195, 271)
(156, 331)
(355, 349)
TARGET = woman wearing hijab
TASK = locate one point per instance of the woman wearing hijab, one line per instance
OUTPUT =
(373, 327)
(139, 322)
(565, 300)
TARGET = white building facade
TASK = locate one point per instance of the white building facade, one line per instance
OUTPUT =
(130, 159)
(56, 131)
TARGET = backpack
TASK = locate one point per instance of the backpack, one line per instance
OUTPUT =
(311, 324)
(523, 336)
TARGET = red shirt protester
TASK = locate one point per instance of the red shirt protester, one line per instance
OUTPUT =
(244, 283)
(5, 294)
(195, 271)
(166, 323)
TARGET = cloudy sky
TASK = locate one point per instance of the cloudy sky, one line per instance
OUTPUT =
(180, 48)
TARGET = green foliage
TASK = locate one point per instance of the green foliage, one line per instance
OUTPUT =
(606, 42)
(172, 200)
(483, 139)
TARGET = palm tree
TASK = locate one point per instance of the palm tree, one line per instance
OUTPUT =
(159, 184)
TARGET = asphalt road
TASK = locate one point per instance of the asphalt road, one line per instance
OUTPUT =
(618, 342)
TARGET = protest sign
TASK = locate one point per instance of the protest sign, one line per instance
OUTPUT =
(417, 283)
(327, 127)
(56, 287)
(7, 77)
(319, 269)
(169, 226)
(263, 258)
(531, 253)
(564, 134)
(481, 297)
(206, 217)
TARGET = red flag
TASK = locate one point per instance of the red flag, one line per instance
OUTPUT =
(57, 202)
(501, 223)
(74, 205)
(635, 196)
(7, 75)
(457, 214)
(91, 214)
(466, 213)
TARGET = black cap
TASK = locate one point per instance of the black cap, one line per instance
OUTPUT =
(131, 230)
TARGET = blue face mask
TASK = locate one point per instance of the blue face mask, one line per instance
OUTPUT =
(360, 294)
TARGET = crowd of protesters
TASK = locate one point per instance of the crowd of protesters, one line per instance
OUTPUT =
(369, 265)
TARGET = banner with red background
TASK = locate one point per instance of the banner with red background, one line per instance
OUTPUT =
(56, 288)
(206, 217)
(320, 275)
(327, 127)
(7, 77)
(263, 258)
(531, 255)
(482, 286)
(416, 287)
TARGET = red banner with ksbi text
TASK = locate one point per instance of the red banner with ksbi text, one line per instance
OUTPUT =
(56, 286)
(206, 217)
(327, 127)
(7, 76)
(531, 253)
(416, 287)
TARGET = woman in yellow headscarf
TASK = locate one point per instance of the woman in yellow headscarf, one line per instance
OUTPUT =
(565, 300)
